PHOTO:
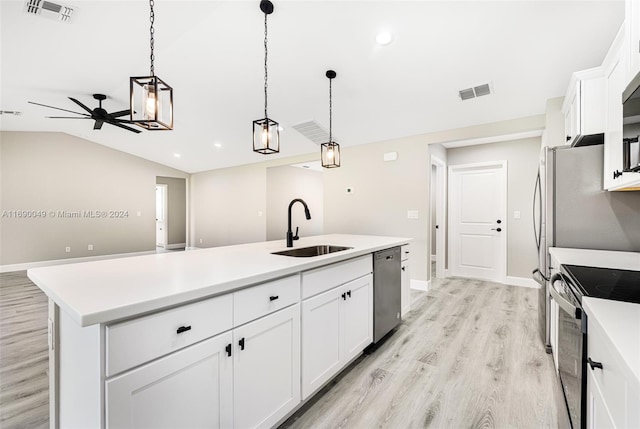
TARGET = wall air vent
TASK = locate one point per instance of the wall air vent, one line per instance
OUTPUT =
(314, 132)
(47, 9)
(476, 91)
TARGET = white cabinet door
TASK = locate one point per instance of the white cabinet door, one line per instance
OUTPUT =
(321, 354)
(405, 285)
(357, 319)
(613, 132)
(632, 22)
(598, 416)
(266, 369)
(571, 116)
(189, 388)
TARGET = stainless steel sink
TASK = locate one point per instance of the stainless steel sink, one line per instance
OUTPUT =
(307, 252)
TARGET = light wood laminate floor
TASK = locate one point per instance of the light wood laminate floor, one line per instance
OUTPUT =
(468, 355)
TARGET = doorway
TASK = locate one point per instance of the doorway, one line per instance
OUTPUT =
(437, 219)
(477, 220)
(161, 216)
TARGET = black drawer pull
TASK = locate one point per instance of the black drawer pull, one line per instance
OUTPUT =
(349, 293)
(183, 329)
(273, 297)
(228, 349)
(404, 268)
(344, 296)
(593, 364)
(241, 343)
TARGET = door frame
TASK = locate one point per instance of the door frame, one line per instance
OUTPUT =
(165, 211)
(440, 187)
(452, 248)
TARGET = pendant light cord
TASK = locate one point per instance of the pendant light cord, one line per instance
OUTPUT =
(330, 113)
(265, 65)
(152, 18)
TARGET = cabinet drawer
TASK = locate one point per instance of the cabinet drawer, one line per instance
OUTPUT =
(140, 340)
(405, 252)
(611, 378)
(257, 301)
(325, 278)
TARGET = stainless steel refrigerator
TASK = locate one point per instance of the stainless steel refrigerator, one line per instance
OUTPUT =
(571, 209)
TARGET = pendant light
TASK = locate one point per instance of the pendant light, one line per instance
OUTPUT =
(266, 132)
(330, 151)
(151, 99)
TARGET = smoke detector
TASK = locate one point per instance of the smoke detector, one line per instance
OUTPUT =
(476, 91)
(314, 132)
(56, 11)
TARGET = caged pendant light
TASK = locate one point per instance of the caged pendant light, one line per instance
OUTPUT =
(151, 99)
(266, 132)
(330, 151)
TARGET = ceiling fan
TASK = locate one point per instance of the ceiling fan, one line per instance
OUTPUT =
(99, 115)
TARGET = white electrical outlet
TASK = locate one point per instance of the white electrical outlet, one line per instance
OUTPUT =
(139, 214)
(259, 213)
(67, 249)
(90, 247)
(516, 214)
(201, 241)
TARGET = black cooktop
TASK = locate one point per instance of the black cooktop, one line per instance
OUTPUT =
(607, 283)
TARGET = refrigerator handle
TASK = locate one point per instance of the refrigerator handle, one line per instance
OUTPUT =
(537, 190)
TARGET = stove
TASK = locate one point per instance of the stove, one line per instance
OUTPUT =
(606, 283)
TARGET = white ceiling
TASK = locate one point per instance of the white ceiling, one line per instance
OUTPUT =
(211, 52)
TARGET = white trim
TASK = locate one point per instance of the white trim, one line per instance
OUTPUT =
(440, 200)
(522, 282)
(446, 272)
(433, 258)
(494, 139)
(176, 246)
(452, 249)
(38, 264)
(420, 285)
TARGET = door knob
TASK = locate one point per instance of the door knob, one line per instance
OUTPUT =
(437, 226)
(496, 229)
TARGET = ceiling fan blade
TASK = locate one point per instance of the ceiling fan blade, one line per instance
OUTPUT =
(81, 105)
(98, 124)
(58, 108)
(116, 124)
(67, 117)
(122, 121)
(120, 113)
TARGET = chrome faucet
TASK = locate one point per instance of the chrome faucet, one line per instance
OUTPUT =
(290, 236)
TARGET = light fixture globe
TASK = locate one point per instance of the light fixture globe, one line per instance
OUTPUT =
(330, 151)
(266, 132)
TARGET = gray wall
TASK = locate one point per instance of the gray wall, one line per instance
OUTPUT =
(522, 167)
(176, 209)
(285, 183)
(57, 172)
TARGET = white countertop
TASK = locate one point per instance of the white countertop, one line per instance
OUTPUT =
(619, 320)
(112, 289)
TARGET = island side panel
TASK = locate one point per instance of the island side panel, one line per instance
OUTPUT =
(80, 367)
(54, 340)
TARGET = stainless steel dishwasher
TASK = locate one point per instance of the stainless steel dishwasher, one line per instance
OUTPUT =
(386, 292)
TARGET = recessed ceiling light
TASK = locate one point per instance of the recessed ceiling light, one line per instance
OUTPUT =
(177, 155)
(384, 38)
(217, 145)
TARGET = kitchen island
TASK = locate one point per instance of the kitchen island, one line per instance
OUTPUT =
(231, 336)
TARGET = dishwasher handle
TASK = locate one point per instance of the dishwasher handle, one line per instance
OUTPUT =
(563, 302)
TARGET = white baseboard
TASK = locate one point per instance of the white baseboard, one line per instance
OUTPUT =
(176, 246)
(419, 285)
(38, 264)
(521, 281)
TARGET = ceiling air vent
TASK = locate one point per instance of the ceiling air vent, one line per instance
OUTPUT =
(476, 91)
(49, 10)
(313, 131)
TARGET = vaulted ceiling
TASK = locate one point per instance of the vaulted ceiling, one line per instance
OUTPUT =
(211, 52)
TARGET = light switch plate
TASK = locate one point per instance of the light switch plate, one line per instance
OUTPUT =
(413, 214)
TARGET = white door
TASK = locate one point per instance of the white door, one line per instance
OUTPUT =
(161, 215)
(189, 388)
(321, 357)
(357, 316)
(266, 369)
(477, 209)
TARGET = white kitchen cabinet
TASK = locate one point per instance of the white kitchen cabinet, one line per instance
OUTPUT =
(266, 369)
(405, 282)
(336, 326)
(583, 106)
(632, 27)
(554, 314)
(598, 416)
(189, 388)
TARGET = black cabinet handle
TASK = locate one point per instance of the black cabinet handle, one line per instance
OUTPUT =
(228, 349)
(593, 364)
(568, 138)
(403, 268)
(617, 174)
(349, 293)
(344, 296)
(273, 297)
(183, 329)
(241, 343)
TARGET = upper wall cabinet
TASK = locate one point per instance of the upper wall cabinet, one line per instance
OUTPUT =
(584, 107)
(632, 23)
